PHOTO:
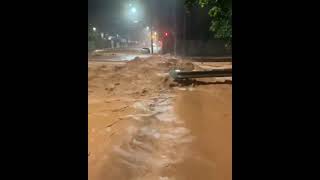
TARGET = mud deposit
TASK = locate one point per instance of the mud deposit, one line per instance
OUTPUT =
(142, 128)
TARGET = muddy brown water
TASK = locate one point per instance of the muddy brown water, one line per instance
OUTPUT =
(188, 138)
(207, 113)
(162, 135)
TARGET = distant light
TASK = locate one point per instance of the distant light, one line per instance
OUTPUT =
(155, 33)
(133, 10)
(94, 29)
(135, 21)
(166, 34)
(147, 28)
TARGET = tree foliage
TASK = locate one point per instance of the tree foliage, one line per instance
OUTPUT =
(92, 35)
(94, 39)
(221, 14)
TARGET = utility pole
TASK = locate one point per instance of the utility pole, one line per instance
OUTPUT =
(151, 38)
(151, 26)
(175, 27)
(184, 32)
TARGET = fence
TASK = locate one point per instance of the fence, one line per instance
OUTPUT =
(202, 48)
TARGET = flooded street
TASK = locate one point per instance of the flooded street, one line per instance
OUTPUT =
(118, 57)
(155, 142)
(142, 127)
(207, 113)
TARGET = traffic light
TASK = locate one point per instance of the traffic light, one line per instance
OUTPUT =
(166, 34)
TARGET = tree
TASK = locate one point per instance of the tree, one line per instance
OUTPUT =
(221, 14)
(94, 39)
(92, 35)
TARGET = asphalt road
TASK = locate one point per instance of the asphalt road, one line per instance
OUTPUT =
(125, 54)
(118, 57)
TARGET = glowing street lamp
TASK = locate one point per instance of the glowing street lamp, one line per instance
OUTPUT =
(133, 10)
(94, 29)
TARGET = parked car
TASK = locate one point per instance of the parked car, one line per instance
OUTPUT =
(145, 51)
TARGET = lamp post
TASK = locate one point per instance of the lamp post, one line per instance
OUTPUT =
(151, 40)
(151, 26)
(133, 15)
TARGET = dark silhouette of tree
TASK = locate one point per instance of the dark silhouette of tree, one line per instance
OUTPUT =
(221, 14)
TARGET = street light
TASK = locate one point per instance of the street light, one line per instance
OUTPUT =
(133, 10)
(94, 29)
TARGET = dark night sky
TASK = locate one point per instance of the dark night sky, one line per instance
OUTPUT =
(108, 16)
(102, 13)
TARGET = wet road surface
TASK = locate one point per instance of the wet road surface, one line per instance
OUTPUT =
(118, 57)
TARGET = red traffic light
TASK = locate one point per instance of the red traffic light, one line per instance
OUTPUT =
(166, 34)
